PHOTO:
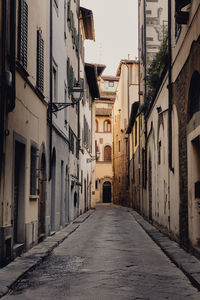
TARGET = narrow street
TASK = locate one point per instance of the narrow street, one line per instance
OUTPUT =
(108, 257)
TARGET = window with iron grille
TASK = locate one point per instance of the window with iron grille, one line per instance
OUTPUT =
(86, 133)
(33, 167)
(22, 35)
(77, 148)
(40, 61)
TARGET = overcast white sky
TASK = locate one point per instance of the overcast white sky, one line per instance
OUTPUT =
(115, 30)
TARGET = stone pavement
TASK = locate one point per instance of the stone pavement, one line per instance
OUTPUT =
(10, 274)
(21, 265)
(189, 264)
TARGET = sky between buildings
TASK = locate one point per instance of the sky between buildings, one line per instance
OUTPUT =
(115, 30)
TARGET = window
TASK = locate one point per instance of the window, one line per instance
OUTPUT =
(96, 184)
(71, 140)
(127, 147)
(81, 181)
(96, 129)
(143, 168)
(107, 126)
(178, 28)
(111, 83)
(194, 95)
(159, 153)
(33, 164)
(119, 146)
(65, 97)
(54, 83)
(65, 20)
(135, 133)
(107, 153)
(133, 175)
(22, 38)
(40, 61)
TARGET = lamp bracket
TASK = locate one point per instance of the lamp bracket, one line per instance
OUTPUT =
(57, 106)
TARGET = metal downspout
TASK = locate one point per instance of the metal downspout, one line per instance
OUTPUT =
(2, 94)
(170, 94)
(78, 119)
(50, 85)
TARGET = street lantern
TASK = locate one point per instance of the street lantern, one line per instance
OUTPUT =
(77, 92)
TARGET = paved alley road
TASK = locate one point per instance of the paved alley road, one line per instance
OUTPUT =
(108, 257)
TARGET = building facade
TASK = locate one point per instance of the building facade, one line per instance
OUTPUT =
(42, 55)
(169, 129)
(25, 155)
(127, 94)
(104, 139)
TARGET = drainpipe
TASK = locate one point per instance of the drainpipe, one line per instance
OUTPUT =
(50, 85)
(2, 94)
(170, 94)
(78, 108)
(145, 93)
(128, 95)
(139, 51)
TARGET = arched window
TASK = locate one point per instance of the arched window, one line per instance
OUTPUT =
(97, 125)
(107, 126)
(194, 95)
(107, 153)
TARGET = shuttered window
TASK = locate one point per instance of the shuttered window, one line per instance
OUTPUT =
(22, 40)
(71, 140)
(40, 61)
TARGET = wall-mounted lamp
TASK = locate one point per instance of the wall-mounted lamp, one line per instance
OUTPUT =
(159, 109)
(77, 94)
(89, 160)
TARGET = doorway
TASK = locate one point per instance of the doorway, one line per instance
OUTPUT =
(150, 189)
(19, 193)
(53, 190)
(107, 192)
(66, 196)
(42, 199)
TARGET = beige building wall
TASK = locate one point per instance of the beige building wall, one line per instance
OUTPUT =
(27, 127)
(186, 80)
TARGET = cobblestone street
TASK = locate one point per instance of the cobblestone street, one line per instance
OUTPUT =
(108, 257)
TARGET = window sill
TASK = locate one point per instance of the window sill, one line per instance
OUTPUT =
(33, 197)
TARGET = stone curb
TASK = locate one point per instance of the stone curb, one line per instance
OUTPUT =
(15, 270)
(189, 264)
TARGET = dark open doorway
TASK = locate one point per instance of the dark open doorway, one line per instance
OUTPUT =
(107, 192)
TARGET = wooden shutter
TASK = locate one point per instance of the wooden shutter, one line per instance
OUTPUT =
(107, 153)
(40, 61)
(22, 41)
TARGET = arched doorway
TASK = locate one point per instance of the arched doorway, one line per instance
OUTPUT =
(150, 188)
(107, 192)
(66, 196)
(53, 190)
(41, 202)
